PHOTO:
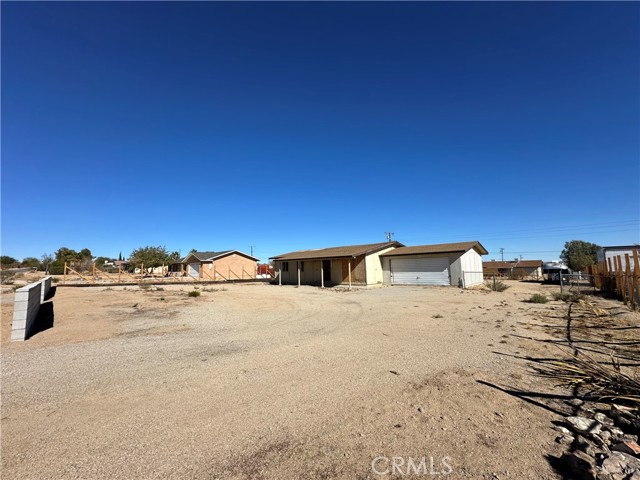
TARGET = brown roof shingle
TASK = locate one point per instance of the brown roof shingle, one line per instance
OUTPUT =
(438, 248)
(335, 252)
(520, 264)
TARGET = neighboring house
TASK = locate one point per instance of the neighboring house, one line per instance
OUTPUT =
(352, 265)
(225, 265)
(457, 264)
(609, 254)
(517, 269)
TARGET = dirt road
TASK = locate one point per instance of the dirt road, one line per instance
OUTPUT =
(258, 381)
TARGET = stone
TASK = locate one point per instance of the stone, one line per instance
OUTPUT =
(632, 448)
(561, 429)
(584, 425)
(603, 419)
(605, 435)
(565, 439)
(620, 465)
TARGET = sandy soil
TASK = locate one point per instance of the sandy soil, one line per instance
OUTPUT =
(260, 381)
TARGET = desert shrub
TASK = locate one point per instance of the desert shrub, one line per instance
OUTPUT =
(7, 278)
(561, 297)
(538, 298)
(437, 315)
(144, 286)
(55, 279)
(497, 286)
(568, 296)
(194, 293)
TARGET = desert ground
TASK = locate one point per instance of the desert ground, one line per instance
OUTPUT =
(259, 381)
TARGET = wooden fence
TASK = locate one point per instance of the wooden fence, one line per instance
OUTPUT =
(619, 276)
(151, 275)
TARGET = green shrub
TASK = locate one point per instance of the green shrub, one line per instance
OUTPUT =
(497, 286)
(538, 298)
(194, 293)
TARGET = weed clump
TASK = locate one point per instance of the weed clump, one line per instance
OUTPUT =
(498, 286)
(538, 298)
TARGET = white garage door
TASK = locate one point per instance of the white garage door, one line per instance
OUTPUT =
(194, 269)
(420, 271)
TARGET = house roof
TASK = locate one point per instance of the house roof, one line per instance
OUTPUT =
(519, 264)
(494, 264)
(335, 252)
(208, 256)
(438, 248)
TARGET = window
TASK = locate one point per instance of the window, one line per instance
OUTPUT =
(285, 266)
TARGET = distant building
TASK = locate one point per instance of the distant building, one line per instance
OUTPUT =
(225, 265)
(516, 269)
(605, 253)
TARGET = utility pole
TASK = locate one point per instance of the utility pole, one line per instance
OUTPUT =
(251, 247)
(388, 234)
(502, 253)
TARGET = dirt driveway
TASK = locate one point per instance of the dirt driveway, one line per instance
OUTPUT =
(260, 381)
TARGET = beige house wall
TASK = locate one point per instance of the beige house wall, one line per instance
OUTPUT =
(229, 267)
(375, 272)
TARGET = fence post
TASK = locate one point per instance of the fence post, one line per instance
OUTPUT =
(560, 275)
(494, 281)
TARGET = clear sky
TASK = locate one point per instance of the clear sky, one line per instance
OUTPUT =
(305, 125)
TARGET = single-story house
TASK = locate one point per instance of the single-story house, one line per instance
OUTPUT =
(517, 269)
(609, 254)
(225, 265)
(457, 264)
(352, 265)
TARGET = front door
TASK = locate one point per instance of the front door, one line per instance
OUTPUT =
(326, 270)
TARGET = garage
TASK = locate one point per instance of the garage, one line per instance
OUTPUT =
(194, 269)
(420, 271)
(455, 264)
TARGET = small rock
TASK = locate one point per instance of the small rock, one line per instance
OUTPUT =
(561, 429)
(576, 402)
(632, 448)
(565, 439)
(584, 445)
(603, 419)
(605, 435)
(584, 425)
(420, 409)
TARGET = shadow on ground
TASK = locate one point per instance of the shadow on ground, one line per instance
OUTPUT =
(44, 319)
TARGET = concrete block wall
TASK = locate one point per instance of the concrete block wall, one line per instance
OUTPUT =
(46, 286)
(25, 309)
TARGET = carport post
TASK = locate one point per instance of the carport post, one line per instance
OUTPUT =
(349, 274)
(321, 274)
(280, 276)
(298, 264)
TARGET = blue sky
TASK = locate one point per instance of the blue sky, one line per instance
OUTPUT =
(305, 125)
